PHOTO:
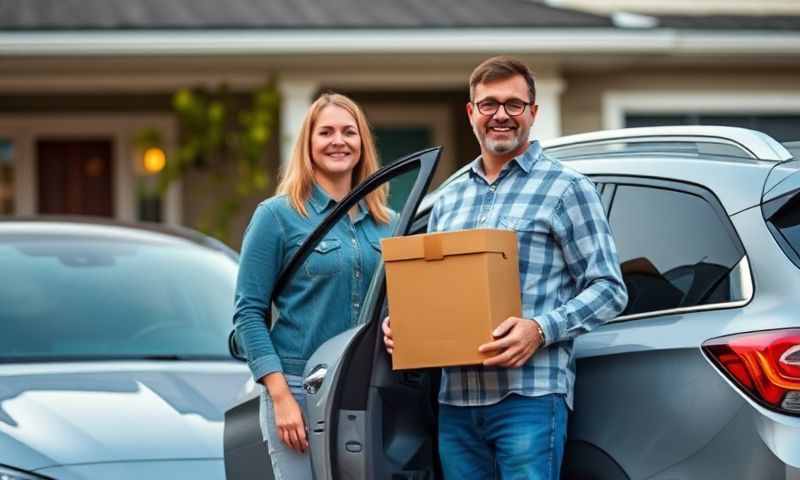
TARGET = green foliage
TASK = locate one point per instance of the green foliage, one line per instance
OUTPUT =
(223, 136)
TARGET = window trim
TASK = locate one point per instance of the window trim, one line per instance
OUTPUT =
(748, 284)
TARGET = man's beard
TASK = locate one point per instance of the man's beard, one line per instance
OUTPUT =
(498, 147)
(502, 146)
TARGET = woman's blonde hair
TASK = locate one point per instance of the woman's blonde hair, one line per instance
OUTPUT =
(297, 179)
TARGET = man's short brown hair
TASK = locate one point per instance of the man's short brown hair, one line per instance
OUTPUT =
(501, 68)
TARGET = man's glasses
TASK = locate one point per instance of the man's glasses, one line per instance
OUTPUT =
(514, 107)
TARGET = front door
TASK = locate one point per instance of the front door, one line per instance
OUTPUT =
(75, 177)
(394, 142)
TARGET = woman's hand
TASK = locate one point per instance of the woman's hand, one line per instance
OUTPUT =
(289, 420)
(388, 340)
(288, 415)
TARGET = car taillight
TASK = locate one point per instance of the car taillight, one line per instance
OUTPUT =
(766, 365)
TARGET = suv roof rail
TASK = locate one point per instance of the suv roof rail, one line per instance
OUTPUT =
(747, 143)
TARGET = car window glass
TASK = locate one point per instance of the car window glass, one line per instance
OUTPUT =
(674, 250)
(787, 220)
(78, 297)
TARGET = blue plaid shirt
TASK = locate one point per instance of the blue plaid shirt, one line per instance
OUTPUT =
(569, 270)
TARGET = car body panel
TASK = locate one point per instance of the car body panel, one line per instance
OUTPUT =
(90, 410)
(69, 413)
(616, 395)
(110, 230)
(196, 469)
(650, 370)
(783, 179)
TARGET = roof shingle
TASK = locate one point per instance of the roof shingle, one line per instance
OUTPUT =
(38, 15)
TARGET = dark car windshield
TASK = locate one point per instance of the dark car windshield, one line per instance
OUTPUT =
(76, 298)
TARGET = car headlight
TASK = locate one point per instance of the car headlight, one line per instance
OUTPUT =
(10, 474)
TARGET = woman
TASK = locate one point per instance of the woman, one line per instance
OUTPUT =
(333, 153)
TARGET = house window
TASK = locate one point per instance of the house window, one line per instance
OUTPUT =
(150, 207)
(781, 127)
(6, 177)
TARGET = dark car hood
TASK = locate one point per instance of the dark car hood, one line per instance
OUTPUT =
(60, 414)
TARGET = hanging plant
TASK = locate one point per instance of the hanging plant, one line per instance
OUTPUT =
(225, 138)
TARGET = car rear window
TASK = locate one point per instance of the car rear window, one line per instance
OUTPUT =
(82, 298)
(787, 222)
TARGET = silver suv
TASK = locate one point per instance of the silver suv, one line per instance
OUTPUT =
(698, 378)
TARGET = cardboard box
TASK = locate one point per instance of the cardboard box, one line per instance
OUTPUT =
(447, 292)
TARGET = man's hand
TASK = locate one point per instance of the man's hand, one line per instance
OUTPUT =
(387, 336)
(516, 340)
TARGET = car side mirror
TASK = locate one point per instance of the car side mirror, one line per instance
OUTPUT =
(233, 347)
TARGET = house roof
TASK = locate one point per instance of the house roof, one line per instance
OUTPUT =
(54, 15)
(261, 27)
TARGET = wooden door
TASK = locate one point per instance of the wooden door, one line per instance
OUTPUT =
(75, 177)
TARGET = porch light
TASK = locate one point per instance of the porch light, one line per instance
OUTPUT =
(154, 160)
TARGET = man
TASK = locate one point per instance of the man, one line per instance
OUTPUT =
(509, 415)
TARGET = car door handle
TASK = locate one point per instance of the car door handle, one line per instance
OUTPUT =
(314, 380)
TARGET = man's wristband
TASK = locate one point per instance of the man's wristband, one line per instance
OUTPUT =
(541, 332)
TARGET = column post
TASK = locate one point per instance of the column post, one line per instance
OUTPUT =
(548, 97)
(296, 97)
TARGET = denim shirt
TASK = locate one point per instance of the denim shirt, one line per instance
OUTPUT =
(322, 299)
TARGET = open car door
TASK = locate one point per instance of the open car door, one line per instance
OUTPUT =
(364, 420)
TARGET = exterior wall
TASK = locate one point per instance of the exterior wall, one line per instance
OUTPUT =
(584, 103)
(587, 93)
(446, 106)
(24, 130)
(201, 192)
(743, 7)
(37, 113)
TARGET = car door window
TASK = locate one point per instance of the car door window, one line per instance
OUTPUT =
(676, 250)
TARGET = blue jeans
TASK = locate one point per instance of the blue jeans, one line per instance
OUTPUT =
(517, 438)
(287, 464)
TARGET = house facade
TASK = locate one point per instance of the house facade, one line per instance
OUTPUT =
(78, 80)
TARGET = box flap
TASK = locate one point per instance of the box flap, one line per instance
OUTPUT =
(436, 246)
